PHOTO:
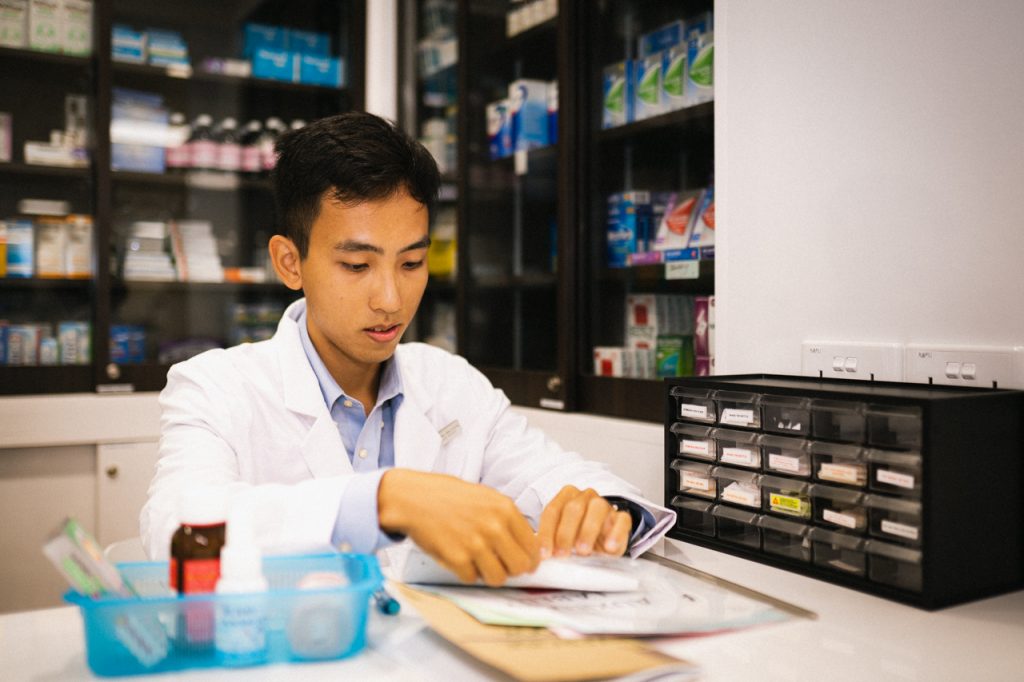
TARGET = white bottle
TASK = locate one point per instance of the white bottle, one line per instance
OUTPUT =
(241, 635)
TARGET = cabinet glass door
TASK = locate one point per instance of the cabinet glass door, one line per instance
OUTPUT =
(200, 90)
(511, 199)
(648, 160)
(47, 254)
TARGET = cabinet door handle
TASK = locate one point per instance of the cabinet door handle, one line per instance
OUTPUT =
(112, 472)
(554, 383)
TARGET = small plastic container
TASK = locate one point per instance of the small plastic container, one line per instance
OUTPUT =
(695, 404)
(789, 456)
(737, 408)
(789, 416)
(836, 463)
(838, 420)
(696, 479)
(695, 442)
(737, 448)
(738, 487)
(694, 515)
(894, 519)
(785, 538)
(895, 472)
(786, 496)
(838, 551)
(737, 526)
(894, 565)
(136, 636)
(836, 508)
(895, 427)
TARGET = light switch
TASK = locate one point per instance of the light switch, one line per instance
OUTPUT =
(837, 363)
(953, 370)
(851, 364)
(969, 370)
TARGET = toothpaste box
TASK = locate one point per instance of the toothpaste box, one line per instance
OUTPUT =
(628, 226)
(308, 42)
(76, 26)
(528, 114)
(44, 25)
(661, 39)
(648, 86)
(703, 232)
(617, 94)
(13, 23)
(166, 48)
(673, 77)
(274, 64)
(700, 56)
(317, 70)
(676, 224)
(499, 134)
(260, 36)
(610, 361)
(128, 45)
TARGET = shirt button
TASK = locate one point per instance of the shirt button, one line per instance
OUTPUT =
(347, 403)
(382, 425)
(362, 454)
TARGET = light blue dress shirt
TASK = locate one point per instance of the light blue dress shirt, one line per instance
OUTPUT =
(370, 445)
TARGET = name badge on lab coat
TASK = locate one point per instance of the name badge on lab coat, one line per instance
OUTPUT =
(450, 431)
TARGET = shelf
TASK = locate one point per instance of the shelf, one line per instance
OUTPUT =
(212, 181)
(44, 283)
(168, 74)
(653, 276)
(642, 399)
(11, 53)
(18, 168)
(55, 379)
(700, 118)
(543, 31)
(218, 288)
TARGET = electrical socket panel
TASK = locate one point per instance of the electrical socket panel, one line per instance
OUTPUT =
(988, 367)
(845, 360)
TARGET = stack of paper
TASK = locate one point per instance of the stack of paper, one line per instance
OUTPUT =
(195, 251)
(145, 253)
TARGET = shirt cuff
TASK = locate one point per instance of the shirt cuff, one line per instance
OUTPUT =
(654, 523)
(357, 528)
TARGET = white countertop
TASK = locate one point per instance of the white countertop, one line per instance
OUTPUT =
(854, 637)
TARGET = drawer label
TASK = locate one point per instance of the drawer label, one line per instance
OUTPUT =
(895, 478)
(737, 417)
(784, 463)
(741, 494)
(900, 529)
(693, 411)
(841, 473)
(696, 481)
(787, 503)
(700, 448)
(741, 456)
(844, 520)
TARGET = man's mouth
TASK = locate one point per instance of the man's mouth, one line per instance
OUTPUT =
(383, 333)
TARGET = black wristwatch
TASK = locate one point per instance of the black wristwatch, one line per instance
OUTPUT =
(622, 504)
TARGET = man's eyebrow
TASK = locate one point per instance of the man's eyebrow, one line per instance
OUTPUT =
(352, 246)
(421, 244)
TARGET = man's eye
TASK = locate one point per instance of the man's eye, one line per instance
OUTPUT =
(412, 265)
(355, 267)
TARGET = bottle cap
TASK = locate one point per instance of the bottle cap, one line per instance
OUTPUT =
(203, 506)
(298, 123)
(229, 124)
(204, 120)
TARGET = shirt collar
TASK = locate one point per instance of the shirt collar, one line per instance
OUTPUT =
(390, 378)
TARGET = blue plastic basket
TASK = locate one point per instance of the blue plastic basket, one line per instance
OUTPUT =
(160, 631)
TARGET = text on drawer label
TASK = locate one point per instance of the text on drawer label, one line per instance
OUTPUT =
(841, 473)
(739, 456)
(737, 417)
(895, 478)
(693, 411)
(695, 447)
(696, 481)
(845, 520)
(741, 494)
(784, 462)
(900, 529)
(786, 503)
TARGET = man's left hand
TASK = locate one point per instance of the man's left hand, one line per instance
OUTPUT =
(583, 521)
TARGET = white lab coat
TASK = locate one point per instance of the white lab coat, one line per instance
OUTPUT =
(253, 420)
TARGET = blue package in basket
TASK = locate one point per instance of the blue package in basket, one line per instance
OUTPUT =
(160, 631)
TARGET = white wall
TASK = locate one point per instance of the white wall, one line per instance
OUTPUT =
(870, 175)
(382, 58)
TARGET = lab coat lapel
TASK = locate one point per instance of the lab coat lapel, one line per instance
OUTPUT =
(322, 447)
(417, 442)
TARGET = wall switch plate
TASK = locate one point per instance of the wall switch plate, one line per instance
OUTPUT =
(988, 367)
(844, 360)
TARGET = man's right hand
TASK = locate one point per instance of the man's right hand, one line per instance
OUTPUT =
(471, 529)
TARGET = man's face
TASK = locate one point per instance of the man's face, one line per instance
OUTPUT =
(363, 278)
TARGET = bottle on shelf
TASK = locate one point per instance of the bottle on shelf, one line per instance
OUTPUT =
(202, 147)
(229, 151)
(249, 140)
(271, 131)
(297, 124)
(176, 155)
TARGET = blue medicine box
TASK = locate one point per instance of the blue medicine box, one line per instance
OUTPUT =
(128, 45)
(309, 42)
(327, 71)
(260, 36)
(274, 64)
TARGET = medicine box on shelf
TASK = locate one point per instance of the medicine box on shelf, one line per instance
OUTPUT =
(908, 491)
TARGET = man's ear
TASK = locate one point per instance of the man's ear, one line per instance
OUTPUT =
(287, 264)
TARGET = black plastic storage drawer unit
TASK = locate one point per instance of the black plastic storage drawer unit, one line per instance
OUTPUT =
(907, 491)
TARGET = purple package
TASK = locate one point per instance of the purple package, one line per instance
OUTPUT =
(701, 366)
(700, 325)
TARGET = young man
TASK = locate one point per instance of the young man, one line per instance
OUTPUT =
(337, 434)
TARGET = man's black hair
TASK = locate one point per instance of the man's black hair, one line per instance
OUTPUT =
(352, 158)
